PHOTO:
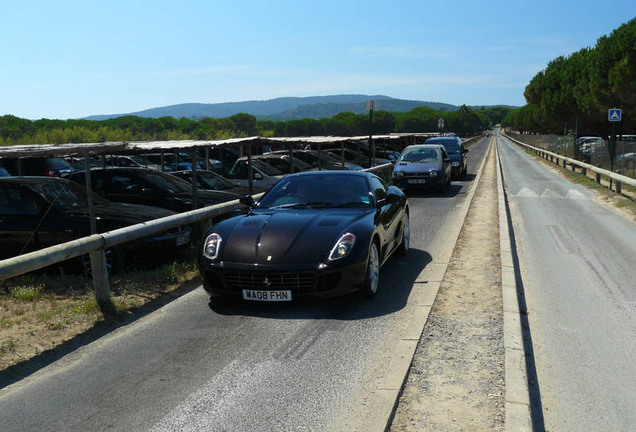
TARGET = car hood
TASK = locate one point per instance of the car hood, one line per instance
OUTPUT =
(417, 167)
(287, 237)
(455, 156)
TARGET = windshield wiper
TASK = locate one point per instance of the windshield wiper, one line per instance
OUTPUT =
(303, 205)
(352, 204)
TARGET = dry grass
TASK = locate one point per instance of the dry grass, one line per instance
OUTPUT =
(43, 310)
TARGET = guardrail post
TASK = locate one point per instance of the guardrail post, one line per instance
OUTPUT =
(99, 273)
(619, 187)
(598, 178)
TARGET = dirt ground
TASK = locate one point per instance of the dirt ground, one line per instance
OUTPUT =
(456, 381)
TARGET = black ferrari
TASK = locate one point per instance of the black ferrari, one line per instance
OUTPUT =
(318, 233)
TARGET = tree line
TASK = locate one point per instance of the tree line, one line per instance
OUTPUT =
(464, 122)
(578, 90)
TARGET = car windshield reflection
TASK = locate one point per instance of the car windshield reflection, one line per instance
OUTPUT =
(328, 191)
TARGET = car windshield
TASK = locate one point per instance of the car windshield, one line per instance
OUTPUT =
(319, 191)
(166, 182)
(451, 145)
(66, 196)
(266, 168)
(422, 155)
(139, 159)
(213, 182)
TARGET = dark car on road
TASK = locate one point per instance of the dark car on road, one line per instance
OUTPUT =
(149, 187)
(456, 152)
(38, 212)
(211, 180)
(317, 233)
(422, 166)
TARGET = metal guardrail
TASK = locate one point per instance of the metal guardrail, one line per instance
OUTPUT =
(617, 178)
(97, 244)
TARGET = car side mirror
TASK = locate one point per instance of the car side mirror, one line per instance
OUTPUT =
(247, 200)
(393, 196)
(257, 176)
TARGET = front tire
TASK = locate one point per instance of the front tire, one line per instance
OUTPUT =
(403, 248)
(372, 278)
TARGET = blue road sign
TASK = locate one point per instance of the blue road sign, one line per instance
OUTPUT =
(614, 114)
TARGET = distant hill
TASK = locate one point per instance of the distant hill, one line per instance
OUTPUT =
(287, 108)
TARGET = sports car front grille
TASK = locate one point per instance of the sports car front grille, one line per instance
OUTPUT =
(270, 281)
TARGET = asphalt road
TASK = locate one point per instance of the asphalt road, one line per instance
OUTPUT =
(307, 366)
(578, 262)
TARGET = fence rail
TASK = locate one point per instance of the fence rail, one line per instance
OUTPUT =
(618, 179)
(593, 153)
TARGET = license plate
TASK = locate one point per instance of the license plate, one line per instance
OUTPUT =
(417, 181)
(262, 295)
(183, 240)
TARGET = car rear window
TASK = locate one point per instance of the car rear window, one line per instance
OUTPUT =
(450, 144)
(65, 196)
(57, 163)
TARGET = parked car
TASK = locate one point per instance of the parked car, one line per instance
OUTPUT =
(282, 162)
(211, 180)
(171, 161)
(357, 157)
(79, 163)
(149, 187)
(321, 160)
(186, 157)
(225, 155)
(39, 212)
(422, 166)
(263, 175)
(590, 146)
(317, 233)
(456, 152)
(130, 161)
(40, 166)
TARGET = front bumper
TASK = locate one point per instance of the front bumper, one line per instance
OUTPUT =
(418, 182)
(230, 279)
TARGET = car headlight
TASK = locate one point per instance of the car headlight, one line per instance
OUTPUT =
(398, 174)
(343, 247)
(455, 164)
(211, 246)
(433, 173)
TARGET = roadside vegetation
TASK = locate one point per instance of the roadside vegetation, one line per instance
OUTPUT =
(580, 88)
(465, 122)
(42, 310)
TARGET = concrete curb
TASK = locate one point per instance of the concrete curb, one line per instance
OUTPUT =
(384, 401)
(518, 413)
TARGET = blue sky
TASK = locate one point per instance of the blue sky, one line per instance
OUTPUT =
(71, 59)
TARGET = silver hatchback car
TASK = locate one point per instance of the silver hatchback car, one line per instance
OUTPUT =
(422, 166)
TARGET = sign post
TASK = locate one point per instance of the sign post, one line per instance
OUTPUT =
(613, 115)
(371, 106)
